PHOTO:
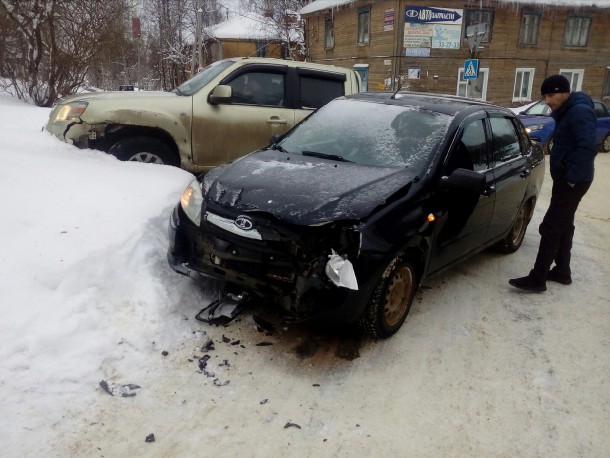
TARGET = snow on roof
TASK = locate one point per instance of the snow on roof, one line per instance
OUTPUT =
(318, 5)
(246, 26)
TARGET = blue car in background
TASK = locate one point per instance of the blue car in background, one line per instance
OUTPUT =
(540, 125)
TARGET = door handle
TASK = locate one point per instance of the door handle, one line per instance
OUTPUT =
(489, 190)
(525, 173)
(276, 120)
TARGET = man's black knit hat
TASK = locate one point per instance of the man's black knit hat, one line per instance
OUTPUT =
(554, 84)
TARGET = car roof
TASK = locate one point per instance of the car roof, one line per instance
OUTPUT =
(286, 62)
(441, 103)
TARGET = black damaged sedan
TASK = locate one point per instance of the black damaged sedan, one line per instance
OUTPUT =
(342, 218)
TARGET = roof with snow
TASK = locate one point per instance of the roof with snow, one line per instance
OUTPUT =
(248, 26)
(318, 5)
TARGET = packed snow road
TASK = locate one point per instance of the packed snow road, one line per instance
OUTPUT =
(101, 354)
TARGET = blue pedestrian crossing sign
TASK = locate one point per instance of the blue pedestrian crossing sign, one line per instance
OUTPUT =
(471, 69)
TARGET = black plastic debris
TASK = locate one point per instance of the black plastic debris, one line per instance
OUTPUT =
(263, 324)
(291, 425)
(165, 353)
(203, 362)
(264, 344)
(236, 342)
(219, 383)
(316, 384)
(264, 401)
(225, 339)
(124, 391)
(225, 363)
(150, 438)
(223, 310)
(208, 345)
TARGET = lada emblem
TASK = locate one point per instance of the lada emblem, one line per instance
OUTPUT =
(244, 223)
(411, 13)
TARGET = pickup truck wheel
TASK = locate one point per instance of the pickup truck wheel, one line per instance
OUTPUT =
(513, 240)
(144, 149)
(391, 300)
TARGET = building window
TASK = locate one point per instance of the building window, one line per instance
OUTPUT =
(574, 76)
(474, 17)
(524, 78)
(329, 33)
(261, 48)
(577, 31)
(364, 25)
(530, 28)
(474, 88)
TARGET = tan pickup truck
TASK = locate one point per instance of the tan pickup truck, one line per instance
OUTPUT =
(230, 108)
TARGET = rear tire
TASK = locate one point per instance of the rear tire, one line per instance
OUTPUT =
(515, 236)
(391, 300)
(144, 149)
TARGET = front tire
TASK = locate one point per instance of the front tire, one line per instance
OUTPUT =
(605, 147)
(515, 236)
(144, 149)
(548, 146)
(391, 300)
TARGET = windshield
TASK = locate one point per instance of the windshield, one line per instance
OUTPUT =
(203, 77)
(539, 108)
(369, 134)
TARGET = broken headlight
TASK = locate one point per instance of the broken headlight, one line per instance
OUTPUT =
(71, 111)
(191, 201)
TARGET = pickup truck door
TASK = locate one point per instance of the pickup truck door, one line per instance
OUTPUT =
(258, 110)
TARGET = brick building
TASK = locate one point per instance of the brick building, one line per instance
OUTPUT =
(495, 50)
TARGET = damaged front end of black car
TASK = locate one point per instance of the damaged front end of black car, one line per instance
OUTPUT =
(341, 219)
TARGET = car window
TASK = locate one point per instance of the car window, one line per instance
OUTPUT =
(506, 144)
(370, 134)
(257, 88)
(203, 77)
(317, 92)
(600, 110)
(471, 150)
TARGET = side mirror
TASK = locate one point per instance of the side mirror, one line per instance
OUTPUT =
(464, 180)
(220, 95)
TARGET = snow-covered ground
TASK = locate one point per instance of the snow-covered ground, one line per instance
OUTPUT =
(86, 296)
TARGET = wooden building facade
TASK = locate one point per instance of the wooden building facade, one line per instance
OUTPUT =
(494, 50)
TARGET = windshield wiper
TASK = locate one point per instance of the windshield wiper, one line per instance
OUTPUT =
(279, 148)
(333, 157)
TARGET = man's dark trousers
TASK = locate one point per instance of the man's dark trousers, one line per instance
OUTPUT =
(557, 228)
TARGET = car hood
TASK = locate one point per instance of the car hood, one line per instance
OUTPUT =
(303, 190)
(529, 120)
(123, 96)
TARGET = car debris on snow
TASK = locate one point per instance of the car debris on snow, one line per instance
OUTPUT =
(291, 425)
(150, 438)
(124, 391)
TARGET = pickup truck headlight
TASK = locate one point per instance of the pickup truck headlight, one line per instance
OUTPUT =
(71, 111)
(191, 201)
(534, 128)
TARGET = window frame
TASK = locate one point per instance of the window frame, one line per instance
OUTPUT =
(329, 33)
(519, 76)
(570, 73)
(462, 82)
(363, 37)
(529, 29)
(470, 12)
(570, 43)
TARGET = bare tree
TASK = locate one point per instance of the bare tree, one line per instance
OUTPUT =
(286, 26)
(49, 44)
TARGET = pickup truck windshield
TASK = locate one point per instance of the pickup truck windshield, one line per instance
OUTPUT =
(203, 77)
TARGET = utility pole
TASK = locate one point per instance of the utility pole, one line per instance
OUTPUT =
(197, 43)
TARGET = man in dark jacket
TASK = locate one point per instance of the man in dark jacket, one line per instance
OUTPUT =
(572, 155)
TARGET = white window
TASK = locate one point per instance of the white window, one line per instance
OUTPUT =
(574, 76)
(475, 88)
(364, 25)
(522, 91)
